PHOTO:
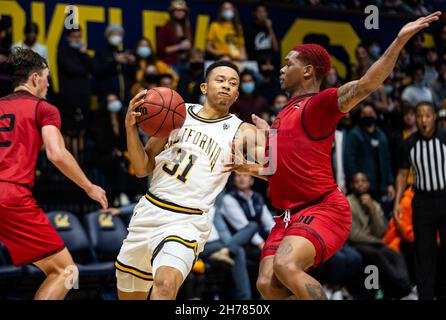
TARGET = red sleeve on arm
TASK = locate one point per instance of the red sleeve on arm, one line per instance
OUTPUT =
(322, 114)
(48, 115)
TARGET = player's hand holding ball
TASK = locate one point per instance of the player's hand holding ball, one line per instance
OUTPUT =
(157, 111)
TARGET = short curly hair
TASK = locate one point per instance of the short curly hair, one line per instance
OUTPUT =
(315, 55)
(22, 63)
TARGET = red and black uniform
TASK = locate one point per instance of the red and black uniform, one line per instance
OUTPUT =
(303, 183)
(24, 227)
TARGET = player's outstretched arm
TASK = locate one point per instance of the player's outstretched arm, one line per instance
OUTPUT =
(142, 158)
(250, 141)
(351, 93)
(67, 164)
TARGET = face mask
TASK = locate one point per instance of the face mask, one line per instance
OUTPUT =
(75, 45)
(115, 40)
(114, 106)
(228, 14)
(375, 51)
(143, 52)
(267, 73)
(248, 87)
(151, 78)
(367, 121)
(388, 89)
(196, 66)
(202, 99)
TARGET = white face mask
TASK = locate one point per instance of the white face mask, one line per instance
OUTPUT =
(228, 14)
(115, 40)
(114, 106)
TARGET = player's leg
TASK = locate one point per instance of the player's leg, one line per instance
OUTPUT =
(61, 274)
(295, 255)
(171, 265)
(267, 283)
(131, 287)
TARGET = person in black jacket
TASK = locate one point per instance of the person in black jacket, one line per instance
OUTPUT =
(75, 73)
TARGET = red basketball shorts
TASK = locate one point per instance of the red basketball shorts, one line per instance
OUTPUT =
(326, 224)
(24, 228)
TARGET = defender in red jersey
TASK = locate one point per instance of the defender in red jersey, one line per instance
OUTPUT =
(314, 215)
(26, 123)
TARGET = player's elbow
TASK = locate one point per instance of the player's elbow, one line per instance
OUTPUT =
(55, 155)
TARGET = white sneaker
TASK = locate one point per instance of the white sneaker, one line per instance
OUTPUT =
(413, 295)
(124, 199)
(337, 295)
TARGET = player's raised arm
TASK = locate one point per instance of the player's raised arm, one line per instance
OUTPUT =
(250, 140)
(351, 93)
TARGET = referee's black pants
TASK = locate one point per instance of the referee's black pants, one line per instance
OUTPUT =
(429, 217)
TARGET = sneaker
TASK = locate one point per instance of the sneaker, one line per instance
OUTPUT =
(124, 199)
(413, 295)
(223, 255)
(337, 295)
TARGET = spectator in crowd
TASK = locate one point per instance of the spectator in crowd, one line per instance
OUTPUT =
(279, 102)
(417, 50)
(31, 32)
(399, 235)
(75, 75)
(146, 59)
(398, 137)
(442, 119)
(413, 7)
(425, 151)
(438, 87)
(5, 45)
(418, 91)
(338, 271)
(367, 150)
(260, 37)
(225, 37)
(440, 42)
(331, 80)
(166, 80)
(244, 205)
(222, 246)
(431, 73)
(366, 235)
(249, 102)
(374, 49)
(114, 68)
(269, 84)
(192, 77)
(174, 39)
(364, 62)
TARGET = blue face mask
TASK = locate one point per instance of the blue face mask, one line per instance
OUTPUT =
(248, 87)
(388, 89)
(114, 106)
(75, 45)
(143, 52)
(375, 51)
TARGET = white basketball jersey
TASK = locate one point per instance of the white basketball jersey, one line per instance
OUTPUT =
(189, 171)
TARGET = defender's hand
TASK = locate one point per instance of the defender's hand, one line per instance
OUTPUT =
(410, 29)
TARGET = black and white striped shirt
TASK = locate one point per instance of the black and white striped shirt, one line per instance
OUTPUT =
(428, 158)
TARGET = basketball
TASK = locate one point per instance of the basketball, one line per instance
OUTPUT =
(163, 111)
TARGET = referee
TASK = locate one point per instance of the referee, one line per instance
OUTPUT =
(425, 151)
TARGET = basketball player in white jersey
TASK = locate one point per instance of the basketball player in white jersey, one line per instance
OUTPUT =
(170, 224)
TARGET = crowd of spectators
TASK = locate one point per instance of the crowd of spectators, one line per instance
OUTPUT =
(94, 92)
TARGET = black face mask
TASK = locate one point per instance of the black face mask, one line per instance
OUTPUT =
(151, 78)
(196, 66)
(367, 121)
(267, 73)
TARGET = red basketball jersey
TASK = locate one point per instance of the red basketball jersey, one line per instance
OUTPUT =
(22, 116)
(305, 131)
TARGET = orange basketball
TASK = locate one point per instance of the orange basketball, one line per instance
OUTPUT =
(163, 111)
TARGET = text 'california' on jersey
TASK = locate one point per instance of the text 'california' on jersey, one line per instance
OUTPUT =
(189, 171)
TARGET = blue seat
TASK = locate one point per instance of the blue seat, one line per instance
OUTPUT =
(106, 234)
(10, 275)
(91, 271)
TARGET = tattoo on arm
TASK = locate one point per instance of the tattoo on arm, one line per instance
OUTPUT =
(284, 249)
(315, 291)
(347, 95)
